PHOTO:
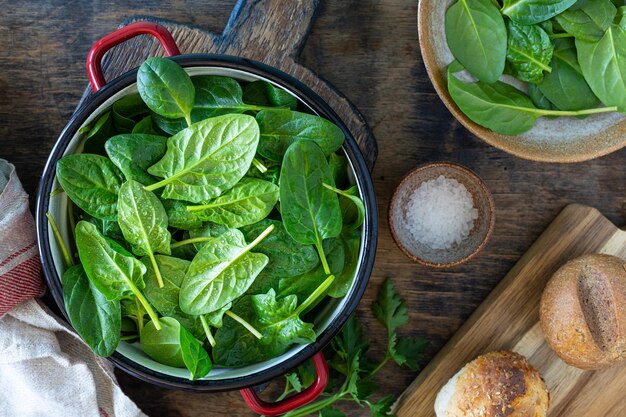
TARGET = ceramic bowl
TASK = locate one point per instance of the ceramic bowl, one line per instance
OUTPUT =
(564, 139)
(457, 254)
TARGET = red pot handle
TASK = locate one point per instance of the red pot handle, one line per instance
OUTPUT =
(296, 401)
(94, 58)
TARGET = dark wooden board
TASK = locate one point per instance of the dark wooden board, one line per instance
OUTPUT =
(509, 319)
(368, 49)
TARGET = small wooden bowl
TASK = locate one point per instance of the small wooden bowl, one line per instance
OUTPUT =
(563, 139)
(458, 253)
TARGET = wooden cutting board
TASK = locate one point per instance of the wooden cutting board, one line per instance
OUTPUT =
(509, 319)
(268, 31)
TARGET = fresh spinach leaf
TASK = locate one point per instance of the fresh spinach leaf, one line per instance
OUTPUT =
(620, 17)
(262, 93)
(310, 211)
(96, 319)
(97, 135)
(166, 88)
(352, 207)
(248, 202)
(221, 272)
(339, 168)
(565, 86)
(603, 64)
(162, 342)
(286, 256)
(107, 228)
(280, 128)
(207, 158)
(169, 126)
(196, 360)
(125, 110)
(351, 241)
(476, 36)
(529, 51)
(538, 98)
(179, 217)
(207, 229)
(134, 153)
(143, 221)
(589, 21)
(271, 174)
(217, 95)
(115, 275)
(92, 182)
(145, 126)
(530, 12)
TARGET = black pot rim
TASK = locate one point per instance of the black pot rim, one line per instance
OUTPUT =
(308, 97)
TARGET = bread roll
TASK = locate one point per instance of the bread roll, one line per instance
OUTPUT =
(498, 384)
(583, 312)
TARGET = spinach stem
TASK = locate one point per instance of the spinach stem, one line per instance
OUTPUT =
(190, 241)
(130, 337)
(578, 112)
(156, 270)
(244, 323)
(207, 331)
(259, 165)
(561, 35)
(259, 238)
(140, 311)
(320, 251)
(59, 239)
(70, 215)
(56, 191)
(188, 119)
(316, 294)
(145, 304)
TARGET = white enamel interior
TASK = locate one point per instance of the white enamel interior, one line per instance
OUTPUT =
(58, 208)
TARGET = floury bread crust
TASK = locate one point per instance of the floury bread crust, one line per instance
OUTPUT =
(498, 384)
(583, 311)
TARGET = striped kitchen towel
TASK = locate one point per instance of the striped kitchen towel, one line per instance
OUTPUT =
(45, 368)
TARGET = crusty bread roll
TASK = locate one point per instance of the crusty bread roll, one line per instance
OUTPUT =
(497, 384)
(583, 311)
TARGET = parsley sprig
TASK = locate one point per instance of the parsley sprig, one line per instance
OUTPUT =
(352, 372)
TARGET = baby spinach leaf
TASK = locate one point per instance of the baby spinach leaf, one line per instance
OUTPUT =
(145, 126)
(196, 360)
(589, 21)
(277, 320)
(165, 300)
(115, 275)
(248, 202)
(179, 217)
(107, 228)
(215, 318)
(207, 229)
(603, 64)
(529, 12)
(134, 153)
(207, 158)
(143, 221)
(287, 257)
(352, 207)
(221, 272)
(310, 211)
(217, 95)
(96, 319)
(125, 110)
(163, 345)
(272, 174)
(92, 182)
(529, 51)
(351, 241)
(97, 135)
(538, 98)
(620, 17)
(169, 126)
(166, 88)
(339, 169)
(280, 128)
(263, 93)
(565, 86)
(476, 36)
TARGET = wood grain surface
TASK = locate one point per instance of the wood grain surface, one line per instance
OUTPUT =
(367, 49)
(509, 319)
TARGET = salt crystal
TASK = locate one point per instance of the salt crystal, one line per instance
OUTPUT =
(440, 213)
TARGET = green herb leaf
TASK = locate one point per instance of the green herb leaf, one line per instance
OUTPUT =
(352, 207)
(409, 351)
(194, 356)
(221, 272)
(96, 319)
(134, 153)
(603, 64)
(529, 12)
(248, 202)
(476, 36)
(163, 345)
(92, 182)
(165, 88)
(529, 51)
(207, 159)
(589, 21)
(382, 408)
(280, 128)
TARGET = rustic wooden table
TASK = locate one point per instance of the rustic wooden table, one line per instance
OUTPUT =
(369, 50)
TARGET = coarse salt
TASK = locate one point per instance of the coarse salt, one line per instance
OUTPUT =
(440, 213)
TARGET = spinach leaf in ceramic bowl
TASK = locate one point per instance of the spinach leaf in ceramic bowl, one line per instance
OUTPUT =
(529, 51)
(588, 22)
(529, 12)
